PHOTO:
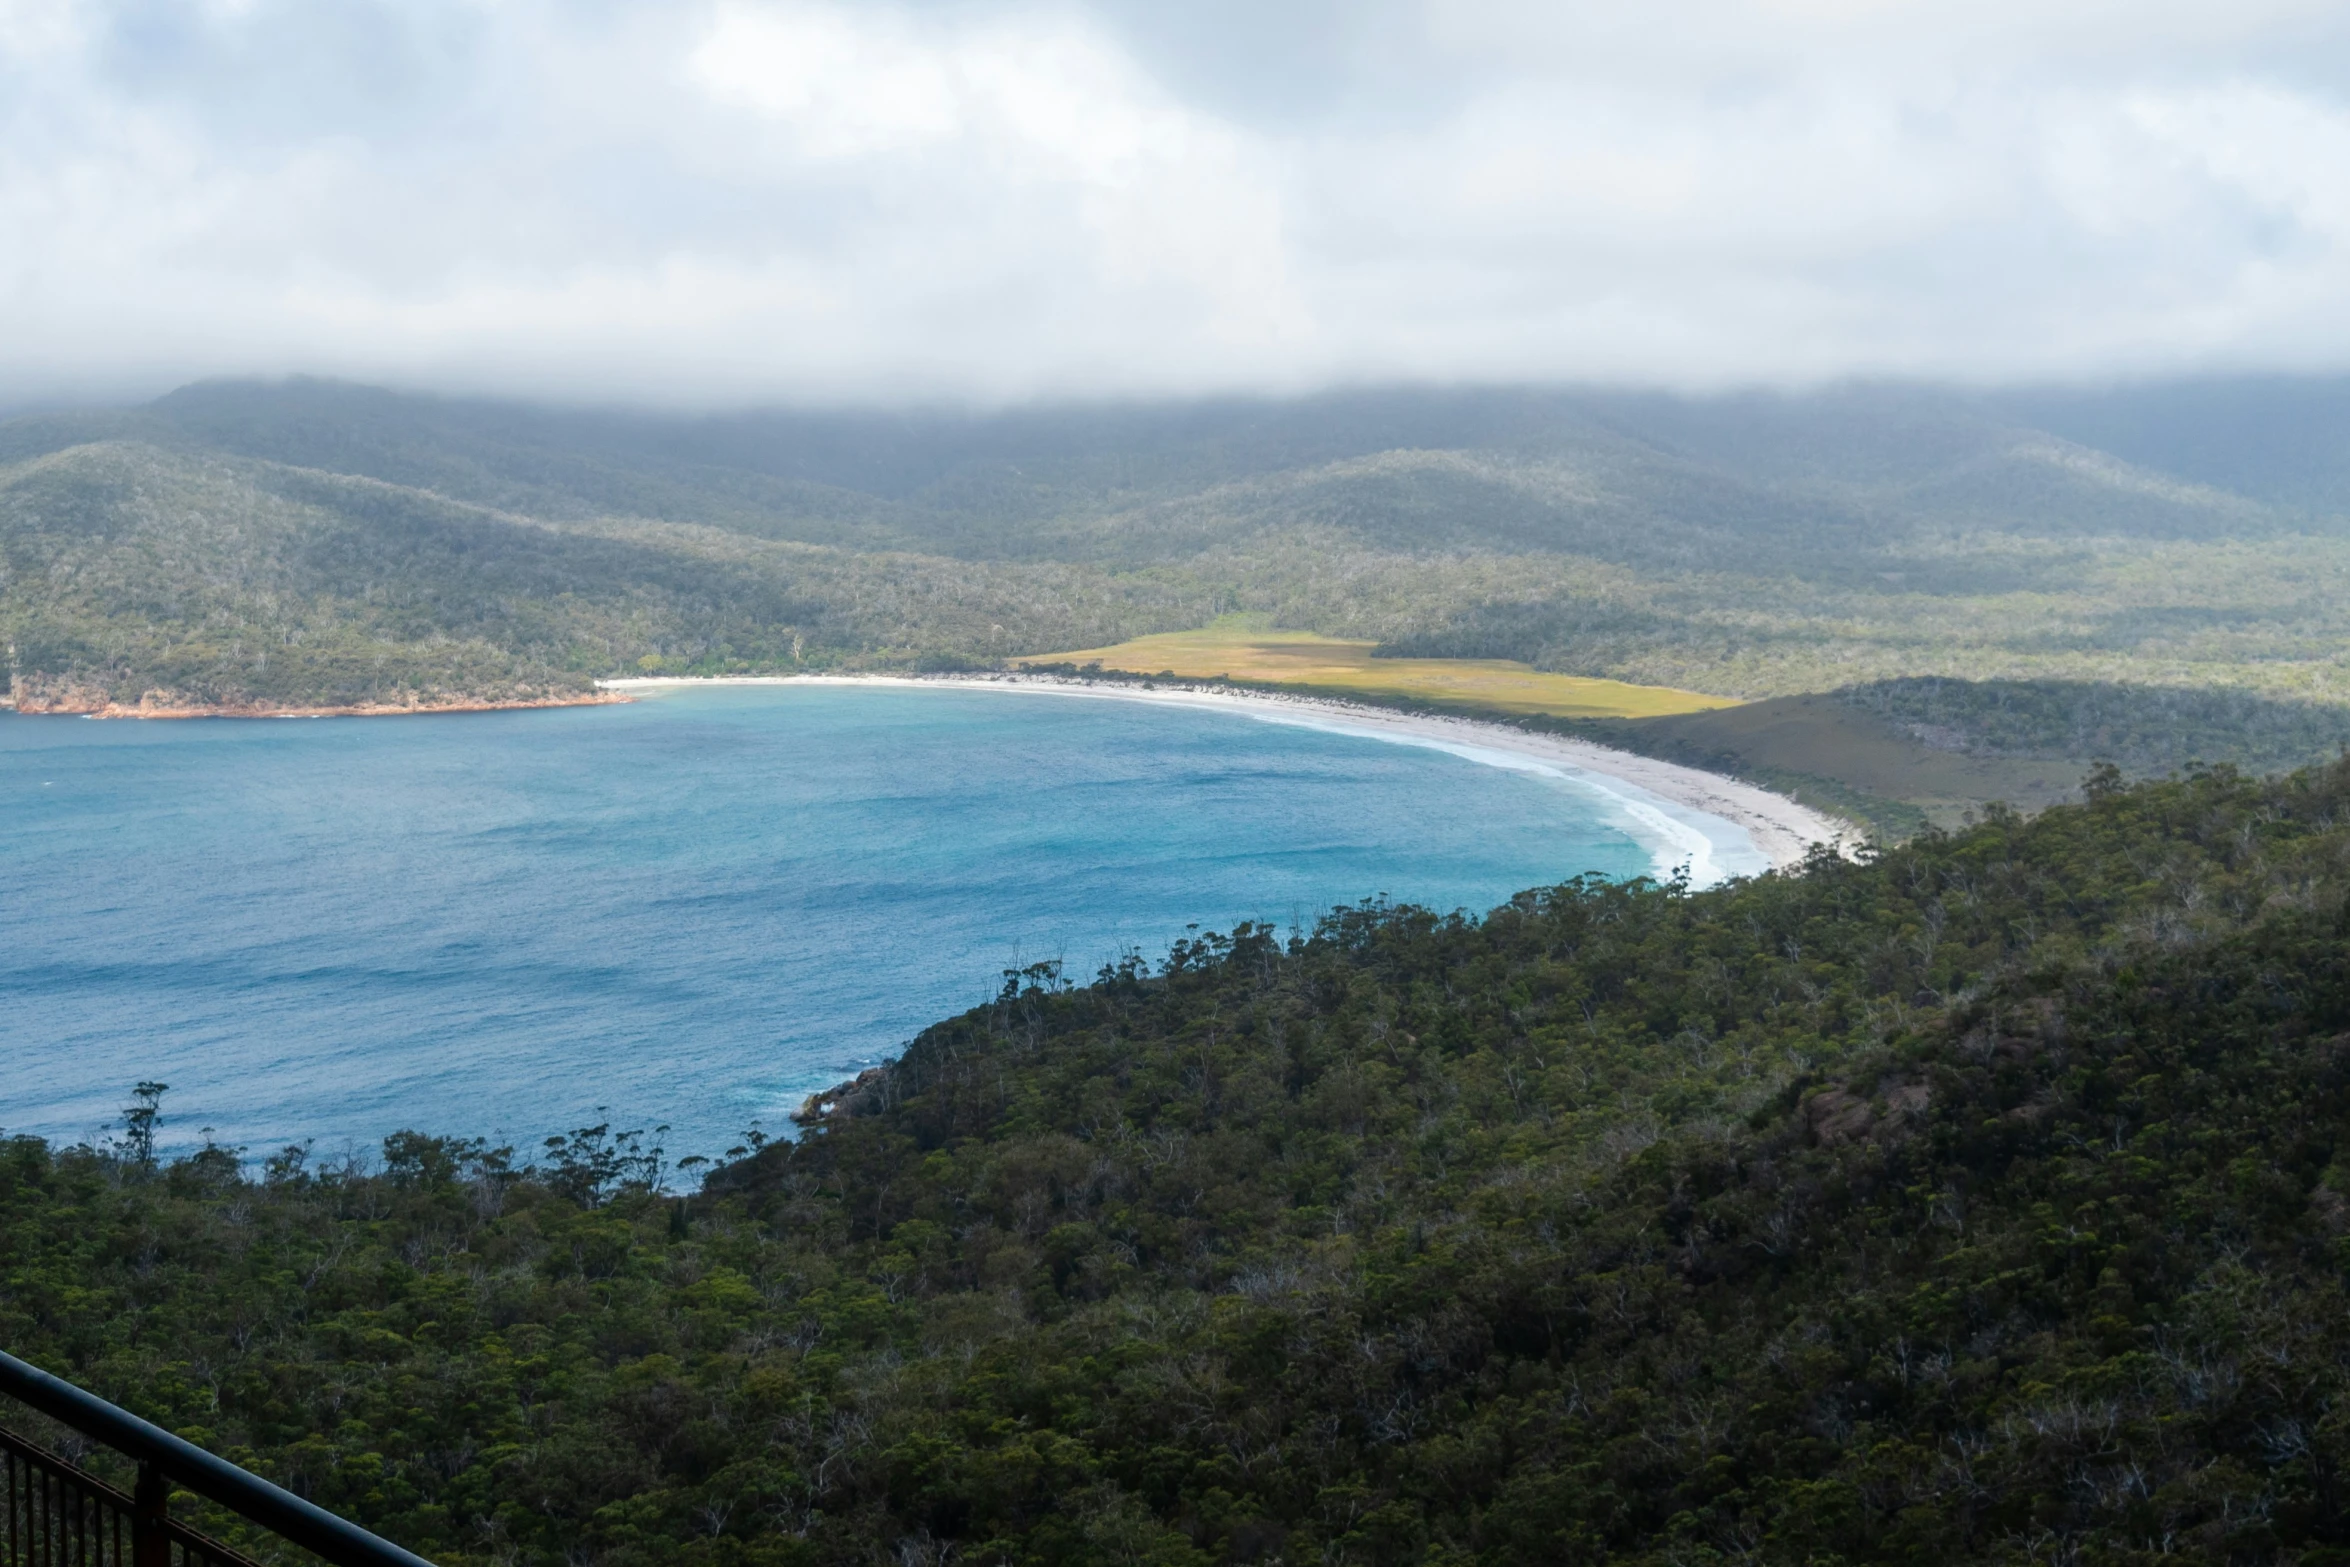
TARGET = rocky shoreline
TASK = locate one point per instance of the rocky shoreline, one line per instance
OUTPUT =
(84, 702)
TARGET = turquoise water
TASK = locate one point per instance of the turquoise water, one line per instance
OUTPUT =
(693, 910)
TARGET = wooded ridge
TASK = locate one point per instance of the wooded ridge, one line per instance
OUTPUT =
(1987, 1201)
(2154, 575)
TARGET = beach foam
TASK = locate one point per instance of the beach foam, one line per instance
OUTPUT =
(1678, 844)
(1715, 826)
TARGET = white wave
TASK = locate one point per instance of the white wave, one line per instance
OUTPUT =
(1710, 846)
(1674, 843)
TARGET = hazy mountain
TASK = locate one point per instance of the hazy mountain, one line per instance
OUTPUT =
(2281, 439)
(313, 541)
(1858, 463)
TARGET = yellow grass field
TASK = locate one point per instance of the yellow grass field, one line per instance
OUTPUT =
(1245, 649)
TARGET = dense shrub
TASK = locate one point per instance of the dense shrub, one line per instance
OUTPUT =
(1986, 1201)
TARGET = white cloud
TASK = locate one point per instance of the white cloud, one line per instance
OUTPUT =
(862, 199)
(846, 85)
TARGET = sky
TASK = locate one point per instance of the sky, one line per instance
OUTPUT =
(705, 204)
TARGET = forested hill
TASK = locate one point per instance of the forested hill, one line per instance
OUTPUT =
(1988, 1201)
(312, 543)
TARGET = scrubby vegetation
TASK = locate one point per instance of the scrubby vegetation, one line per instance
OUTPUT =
(1900, 755)
(2146, 731)
(1988, 1201)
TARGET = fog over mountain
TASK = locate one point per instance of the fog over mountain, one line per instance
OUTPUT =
(738, 202)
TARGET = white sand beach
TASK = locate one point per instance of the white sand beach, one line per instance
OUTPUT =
(1678, 813)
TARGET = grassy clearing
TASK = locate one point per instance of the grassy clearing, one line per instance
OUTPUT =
(1245, 647)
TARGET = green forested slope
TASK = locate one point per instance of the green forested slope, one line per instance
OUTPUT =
(310, 543)
(127, 568)
(1986, 1202)
(1900, 753)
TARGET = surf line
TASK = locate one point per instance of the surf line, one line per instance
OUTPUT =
(1673, 845)
(1712, 832)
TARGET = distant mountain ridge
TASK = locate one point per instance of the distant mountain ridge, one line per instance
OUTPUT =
(319, 543)
(1860, 461)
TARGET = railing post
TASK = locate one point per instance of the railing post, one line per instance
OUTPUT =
(151, 1502)
(166, 1460)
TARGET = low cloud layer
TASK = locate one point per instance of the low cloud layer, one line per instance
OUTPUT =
(712, 203)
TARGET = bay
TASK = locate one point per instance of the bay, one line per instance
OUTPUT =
(692, 910)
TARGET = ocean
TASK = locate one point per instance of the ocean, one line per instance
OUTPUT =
(692, 911)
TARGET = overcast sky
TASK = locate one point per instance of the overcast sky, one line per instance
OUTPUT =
(714, 203)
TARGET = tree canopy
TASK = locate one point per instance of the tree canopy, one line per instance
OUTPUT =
(1985, 1201)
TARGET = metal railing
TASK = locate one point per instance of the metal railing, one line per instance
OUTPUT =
(61, 1516)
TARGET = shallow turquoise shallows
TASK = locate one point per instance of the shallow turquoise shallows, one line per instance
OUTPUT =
(693, 910)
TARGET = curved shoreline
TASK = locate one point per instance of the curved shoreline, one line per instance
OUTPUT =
(1782, 831)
